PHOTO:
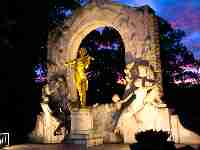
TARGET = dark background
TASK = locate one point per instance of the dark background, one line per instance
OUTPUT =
(23, 30)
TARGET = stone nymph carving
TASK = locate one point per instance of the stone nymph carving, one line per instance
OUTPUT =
(54, 95)
(145, 93)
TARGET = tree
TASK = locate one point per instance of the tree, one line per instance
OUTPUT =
(69, 4)
(173, 55)
(59, 9)
(173, 52)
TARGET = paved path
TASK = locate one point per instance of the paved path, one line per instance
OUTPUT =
(45, 147)
(77, 147)
(111, 147)
(67, 147)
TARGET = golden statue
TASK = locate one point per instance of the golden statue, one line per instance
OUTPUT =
(81, 64)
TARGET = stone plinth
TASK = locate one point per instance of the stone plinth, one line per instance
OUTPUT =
(90, 139)
(81, 121)
(45, 127)
(82, 131)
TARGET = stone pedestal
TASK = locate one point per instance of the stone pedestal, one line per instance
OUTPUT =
(45, 127)
(82, 131)
(81, 121)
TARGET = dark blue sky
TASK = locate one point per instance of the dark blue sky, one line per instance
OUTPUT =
(182, 14)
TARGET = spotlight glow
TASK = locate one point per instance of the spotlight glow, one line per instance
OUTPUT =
(40, 73)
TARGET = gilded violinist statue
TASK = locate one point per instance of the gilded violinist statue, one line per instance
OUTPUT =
(81, 64)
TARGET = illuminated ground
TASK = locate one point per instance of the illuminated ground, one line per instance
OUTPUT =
(78, 147)
(67, 147)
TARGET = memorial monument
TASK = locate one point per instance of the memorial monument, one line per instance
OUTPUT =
(108, 123)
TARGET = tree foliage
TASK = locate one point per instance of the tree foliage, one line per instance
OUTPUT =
(173, 52)
(70, 4)
(58, 9)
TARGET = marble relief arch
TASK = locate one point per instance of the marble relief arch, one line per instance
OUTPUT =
(119, 121)
(137, 27)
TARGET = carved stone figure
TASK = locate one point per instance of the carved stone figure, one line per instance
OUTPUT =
(54, 94)
(144, 95)
(81, 64)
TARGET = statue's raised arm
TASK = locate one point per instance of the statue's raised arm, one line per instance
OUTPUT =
(84, 58)
(72, 62)
(80, 65)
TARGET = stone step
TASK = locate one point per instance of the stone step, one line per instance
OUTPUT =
(86, 139)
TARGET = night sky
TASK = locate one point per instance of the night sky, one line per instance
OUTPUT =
(184, 15)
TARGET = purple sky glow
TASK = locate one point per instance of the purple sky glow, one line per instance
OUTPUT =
(181, 14)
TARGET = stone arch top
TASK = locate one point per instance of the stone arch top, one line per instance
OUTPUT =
(136, 25)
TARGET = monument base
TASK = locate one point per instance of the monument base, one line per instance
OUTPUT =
(82, 131)
(91, 139)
